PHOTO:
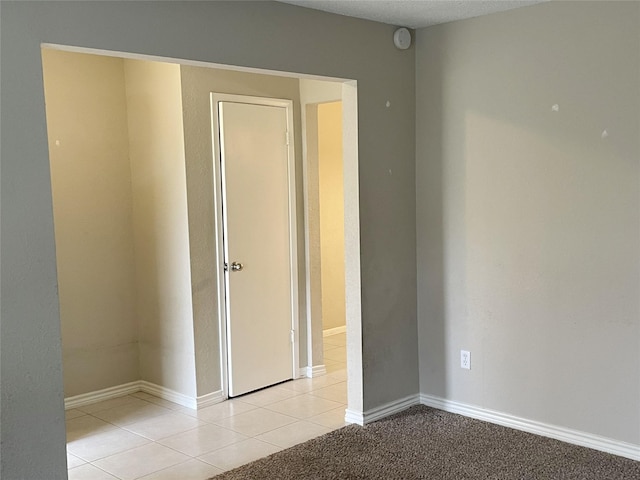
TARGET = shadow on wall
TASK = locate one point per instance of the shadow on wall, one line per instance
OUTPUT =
(528, 225)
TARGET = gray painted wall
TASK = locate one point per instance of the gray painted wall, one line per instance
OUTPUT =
(528, 220)
(266, 35)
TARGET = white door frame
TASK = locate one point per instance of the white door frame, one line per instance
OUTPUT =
(219, 187)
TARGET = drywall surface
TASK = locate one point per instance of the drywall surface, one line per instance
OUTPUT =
(91, 186)
(197, 85)
(312, 220)
(160, 225)
(313, 92)
(319, 91)
(331, 196)
(528, 214)
(267, 35)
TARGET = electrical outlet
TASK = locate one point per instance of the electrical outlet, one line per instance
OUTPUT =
(465, 359)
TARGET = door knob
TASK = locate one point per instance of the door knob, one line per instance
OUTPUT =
(236, 267)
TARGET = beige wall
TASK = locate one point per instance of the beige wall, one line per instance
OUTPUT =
(117, 157)
(528, 219)
(331, 196)
(163, 275)
(319, 91)
(154, 187)
(313, 92)
(91, 185)
(197, 85)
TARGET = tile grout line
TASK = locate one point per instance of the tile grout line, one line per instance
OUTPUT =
(290, 394)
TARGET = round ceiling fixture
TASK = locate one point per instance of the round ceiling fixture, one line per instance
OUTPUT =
(402, 38)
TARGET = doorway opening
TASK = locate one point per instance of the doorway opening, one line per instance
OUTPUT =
(322, 119)
(202, 385)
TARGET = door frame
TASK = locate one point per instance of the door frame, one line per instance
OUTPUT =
(219, 195)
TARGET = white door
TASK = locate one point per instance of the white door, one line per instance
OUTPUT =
(260, 300)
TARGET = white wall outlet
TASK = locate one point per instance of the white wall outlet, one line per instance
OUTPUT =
(465, 359)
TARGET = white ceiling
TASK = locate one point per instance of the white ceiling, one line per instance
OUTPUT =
(413, 13)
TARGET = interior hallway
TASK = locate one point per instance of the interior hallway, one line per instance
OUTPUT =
(140, 436)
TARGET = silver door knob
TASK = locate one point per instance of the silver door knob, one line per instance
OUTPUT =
(236, 267)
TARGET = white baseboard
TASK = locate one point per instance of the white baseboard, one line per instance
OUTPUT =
(168, 394)
(314, 371)
(352, 416)
(334, 331)
(382, 411)
(101, 395)
(390, 408)
(575, 437)
(143, 386)
(209, 399)
(568, 435)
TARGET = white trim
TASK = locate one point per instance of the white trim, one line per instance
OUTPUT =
(209, 399)
(307, 236)
(352, 269)
(168, 394)
(314, 371)
(146, 387)
(390, 408)
(351, 416)
(218, 237)
(334, 331)
(101, 395)
(293, 237)
(381, 411)
(568, 435)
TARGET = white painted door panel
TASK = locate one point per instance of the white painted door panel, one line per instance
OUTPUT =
(254, 157)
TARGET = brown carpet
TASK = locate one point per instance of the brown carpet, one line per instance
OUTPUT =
(425, 443)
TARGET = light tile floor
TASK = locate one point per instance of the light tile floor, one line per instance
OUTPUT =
(140, 436)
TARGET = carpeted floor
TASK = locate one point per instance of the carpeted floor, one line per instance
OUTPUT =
(424, 443)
